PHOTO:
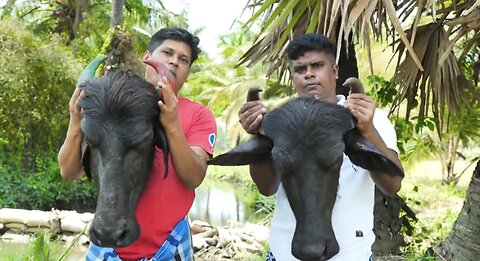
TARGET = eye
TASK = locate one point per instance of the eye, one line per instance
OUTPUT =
(298, 70)
(92, 141)
(185, 60)
(91, 137)
(167, 52)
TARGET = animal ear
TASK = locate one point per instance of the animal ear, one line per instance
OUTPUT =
(364, 154)
(160, 139)
(255, 150)
(85, 159)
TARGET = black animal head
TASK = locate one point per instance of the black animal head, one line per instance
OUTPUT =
(121, 129)
(306, 139)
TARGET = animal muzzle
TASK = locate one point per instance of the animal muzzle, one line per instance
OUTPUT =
(318, 248)
(114, 233)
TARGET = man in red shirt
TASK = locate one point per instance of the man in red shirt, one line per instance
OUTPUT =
(190, 129)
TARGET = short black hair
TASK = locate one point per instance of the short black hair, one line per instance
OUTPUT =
(176, 34)
(310, 42)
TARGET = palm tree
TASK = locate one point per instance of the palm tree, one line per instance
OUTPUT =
(428, 74)
(462, 243)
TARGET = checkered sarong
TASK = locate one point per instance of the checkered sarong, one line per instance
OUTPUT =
(177, 246)
(270, 257)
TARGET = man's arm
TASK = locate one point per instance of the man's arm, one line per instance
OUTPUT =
(189, 162)
(263, 174)
(362, 108)
(69, 156)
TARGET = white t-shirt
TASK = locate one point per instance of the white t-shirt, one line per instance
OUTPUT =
(352, 214)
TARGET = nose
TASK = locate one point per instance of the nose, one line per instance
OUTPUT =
(310, 252)
(110, 235)
(173, 60)
(309, 72)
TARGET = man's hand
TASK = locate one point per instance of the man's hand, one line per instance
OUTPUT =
(169, 107)
(75, 110)
(251, 116)
(362, 108)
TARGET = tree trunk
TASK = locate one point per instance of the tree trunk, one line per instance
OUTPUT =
(117, 13)
(387, 225)
(463, 243)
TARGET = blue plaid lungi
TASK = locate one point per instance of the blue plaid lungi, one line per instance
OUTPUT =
(177, 246)
(270, 257)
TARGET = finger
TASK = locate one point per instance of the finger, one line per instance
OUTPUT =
(161, 106)
(253, 128)
(78, 97)
(252, 115)
(360, 96)
(255, 109)
(167, 93)
(249, 105)
(75, 95)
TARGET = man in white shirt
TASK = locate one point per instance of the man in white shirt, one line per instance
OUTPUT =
(311, 60)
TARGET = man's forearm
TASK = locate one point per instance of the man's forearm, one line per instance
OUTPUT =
(69, 156)
(265, 177)
(389, 184)
(190, 165)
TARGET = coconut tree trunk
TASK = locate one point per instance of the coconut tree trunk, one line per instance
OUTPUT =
(387, 225)
(117, 13)
(463, 243)
(347, 64)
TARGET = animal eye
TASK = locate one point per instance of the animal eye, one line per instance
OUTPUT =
(91, 142)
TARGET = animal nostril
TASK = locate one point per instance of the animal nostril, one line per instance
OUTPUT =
(110, 235)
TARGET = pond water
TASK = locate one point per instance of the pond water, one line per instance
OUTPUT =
(217, 202)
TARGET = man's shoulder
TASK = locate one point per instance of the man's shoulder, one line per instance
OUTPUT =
(186, 103)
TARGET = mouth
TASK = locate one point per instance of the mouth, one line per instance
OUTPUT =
(311, 88)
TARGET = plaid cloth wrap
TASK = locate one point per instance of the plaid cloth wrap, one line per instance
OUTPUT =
(177, 246)
(270, 257)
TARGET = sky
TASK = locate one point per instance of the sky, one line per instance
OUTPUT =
(215, 16)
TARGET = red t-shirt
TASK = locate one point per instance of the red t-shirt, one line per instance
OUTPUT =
(164, 202)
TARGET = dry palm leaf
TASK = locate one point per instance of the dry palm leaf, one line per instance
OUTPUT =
(285, 19)
(441, 84)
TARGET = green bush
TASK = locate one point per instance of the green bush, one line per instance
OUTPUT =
(36, 82)
(44, 189)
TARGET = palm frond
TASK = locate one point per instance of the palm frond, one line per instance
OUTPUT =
(440, 85)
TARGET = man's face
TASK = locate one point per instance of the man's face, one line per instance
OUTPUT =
(315, 74)
(176, 56)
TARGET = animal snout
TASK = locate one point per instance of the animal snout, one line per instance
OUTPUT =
(115, 234)
(315, 251)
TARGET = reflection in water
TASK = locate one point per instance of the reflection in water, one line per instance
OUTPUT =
(218, 203)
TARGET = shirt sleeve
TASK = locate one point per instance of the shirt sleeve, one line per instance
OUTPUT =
(385, 129)
(203, 132)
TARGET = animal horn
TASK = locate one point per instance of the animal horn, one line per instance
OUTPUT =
(89, 72)
(162, 70)
(254, 95)
(355, 85)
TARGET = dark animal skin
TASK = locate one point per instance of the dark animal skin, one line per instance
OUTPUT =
(306, 139)
(121, 129)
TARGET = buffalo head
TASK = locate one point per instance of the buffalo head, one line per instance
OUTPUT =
(121, 129)
(306, 139)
